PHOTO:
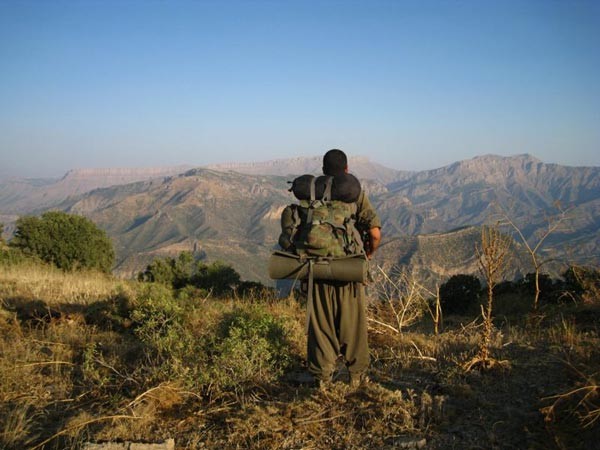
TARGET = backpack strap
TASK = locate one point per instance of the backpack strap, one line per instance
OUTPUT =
(313, 190)
(327, 193)
(310, 298)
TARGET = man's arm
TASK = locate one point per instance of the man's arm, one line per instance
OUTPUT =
(369, 221)
(374, 240)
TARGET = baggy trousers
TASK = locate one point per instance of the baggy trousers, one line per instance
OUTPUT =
(337, 325)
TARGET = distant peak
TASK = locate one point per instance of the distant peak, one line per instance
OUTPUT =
(125, 172)
(520, 157)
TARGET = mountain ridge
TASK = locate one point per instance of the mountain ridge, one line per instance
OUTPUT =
(233, 216)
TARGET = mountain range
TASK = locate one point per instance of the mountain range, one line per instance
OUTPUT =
(231, 212)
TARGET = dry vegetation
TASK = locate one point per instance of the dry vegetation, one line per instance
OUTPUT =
(84, 357)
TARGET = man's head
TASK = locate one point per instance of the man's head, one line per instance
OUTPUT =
(335, 162)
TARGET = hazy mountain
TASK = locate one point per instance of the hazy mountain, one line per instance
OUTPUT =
(429, 217)
(474, 191)
(360, 166)
(25, 195)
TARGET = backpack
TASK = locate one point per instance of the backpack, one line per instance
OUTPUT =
(320, 225)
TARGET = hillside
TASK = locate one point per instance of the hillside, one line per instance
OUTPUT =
(438, 256)
(475, 191)
(225, 216)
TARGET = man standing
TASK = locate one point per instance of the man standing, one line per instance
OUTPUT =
(338, 324)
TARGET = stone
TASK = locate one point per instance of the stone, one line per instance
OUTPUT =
(410, 443)
(169, 444)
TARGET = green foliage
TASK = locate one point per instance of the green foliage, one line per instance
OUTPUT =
(160, 324)
(459, 293)
(158, 320)
(253, 346)
(217, 278)
(158, 271)
(13, 256)
(254, 290)
(175, 272)
(65, 240)
(246, 345)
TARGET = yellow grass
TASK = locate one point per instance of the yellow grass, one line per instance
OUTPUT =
(34, 281)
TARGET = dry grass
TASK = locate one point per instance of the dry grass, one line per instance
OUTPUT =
(94, 373)
(36, 281)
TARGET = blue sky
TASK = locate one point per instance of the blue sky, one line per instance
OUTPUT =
(411, 84)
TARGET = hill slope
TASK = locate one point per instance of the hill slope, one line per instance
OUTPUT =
(226, 216)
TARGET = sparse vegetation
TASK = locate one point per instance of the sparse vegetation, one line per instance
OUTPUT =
(87, 357)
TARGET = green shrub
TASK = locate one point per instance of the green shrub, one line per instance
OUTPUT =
(253, 346)
(218, 277)
(160, 324)
(202, 347)
(175, 272)
(65, 240)
(459, 293)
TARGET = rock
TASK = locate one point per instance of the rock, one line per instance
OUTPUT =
(169, 444)
(106, 446)
(410, 443)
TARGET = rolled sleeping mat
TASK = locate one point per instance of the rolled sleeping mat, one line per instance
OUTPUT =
(287, 265)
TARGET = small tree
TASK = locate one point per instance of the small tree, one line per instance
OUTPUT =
(553, 223)
(160, 270)
(66, 240)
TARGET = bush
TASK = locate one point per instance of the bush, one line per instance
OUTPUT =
(253, 346)
(583, 282)
(459, 293)
(65, 240)
(245, 346)
(160, 324)
(505, 287)
(218, 278)
(551, 291)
